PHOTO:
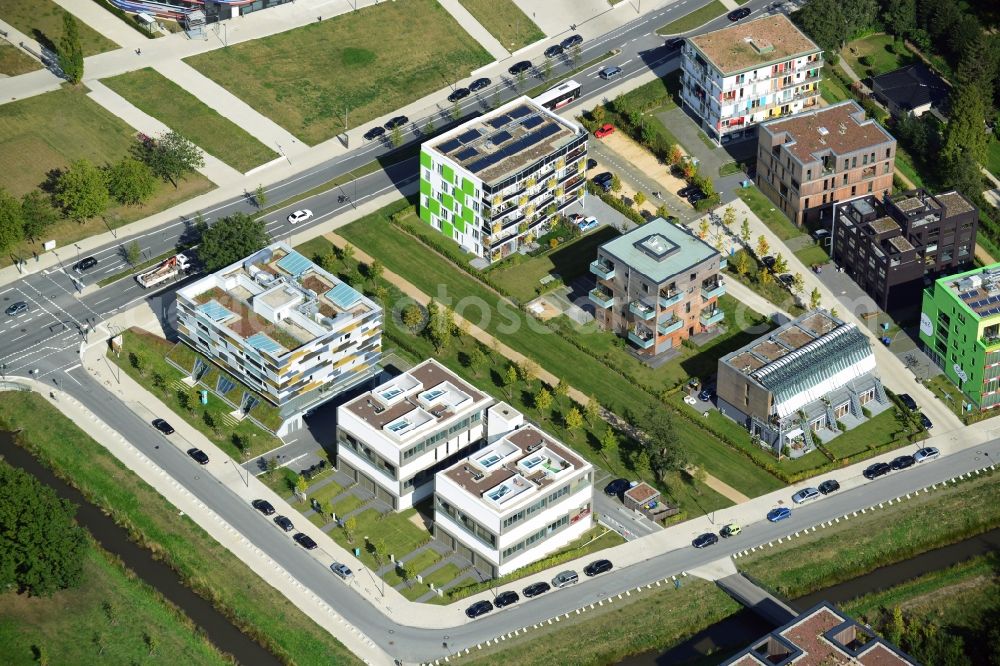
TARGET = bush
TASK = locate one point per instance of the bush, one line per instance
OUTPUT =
(841, 427)
(865, 60)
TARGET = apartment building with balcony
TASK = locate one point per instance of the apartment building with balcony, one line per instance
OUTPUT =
(734, 78)
(657, 286)
(809, 162)
(513, 502)
(495, 183)
(394, 438)
(894, 248)
(292, 333)
(960, 331)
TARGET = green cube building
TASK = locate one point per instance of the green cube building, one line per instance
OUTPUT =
(960, 330)
(494, 183)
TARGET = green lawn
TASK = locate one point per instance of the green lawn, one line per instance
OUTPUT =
(201, 561)
(184, 113)
(812, 254)
(993, 156)
(947, 392)
(879, 49)
(43, 21)
(695, 19)
(832, 90)
(505, 21)
(904, 162)
(768, 213)
(773, 291)
(14, 61)
(400, 536)
(307, 78)
(880, 429)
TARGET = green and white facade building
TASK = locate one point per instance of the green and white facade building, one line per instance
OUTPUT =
(960, 330)
(495, 183)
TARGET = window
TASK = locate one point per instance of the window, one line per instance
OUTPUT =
(854, 161)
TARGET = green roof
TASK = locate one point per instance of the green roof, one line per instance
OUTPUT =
(659, 250)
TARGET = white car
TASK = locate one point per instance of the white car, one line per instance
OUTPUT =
(805, 495)
(926, 453)
(300, 216)
(587, 224)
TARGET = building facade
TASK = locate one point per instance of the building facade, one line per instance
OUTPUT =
(495, 183)
(960, 330)
(515, 501)
(296, 335)
(657, 286)
(797, 385)
(809, 162)
(393, 439)
(892, 248)
(734, 78)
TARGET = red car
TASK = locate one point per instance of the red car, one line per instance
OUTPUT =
(605, 131)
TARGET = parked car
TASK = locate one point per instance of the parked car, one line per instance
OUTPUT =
(553, 51)
(829, 486)
(782, 512)
(768, 261)
(587, 224)
(199, 456)
(479, 84)
(263, 506)
(341, 570)
(300, 216)
(565, 578)
(738, 14)
(925, 454)
(519, 67)
(571, 41)
(591, 164)
(163, 426)
(374, 133)
(705, 395)
(479, 608)
(458, 94)
(695, 197)
(305, 541)
(85, 264)
(16, 308)
(902, 462)
(909, 402)
(805, 495)
(610, 72)
(597, 567)
(787, 279)
(732, 529)
(506, 599)
(397, 121)
(674, 43)
(876, 470)
(617, 487)
(535, 589)
(705, 540)
(604, 130)
(926, 422)
(284, 523)
(604, 180)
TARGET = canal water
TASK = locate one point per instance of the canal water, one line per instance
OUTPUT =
(114, 539)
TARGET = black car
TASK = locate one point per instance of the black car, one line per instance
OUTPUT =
(284, 523)
(459, 93)
(374, 133)
(738, 14)
(877, 470)
(479, 84)
(479, 608)
(506, 599)
(16, 308)
(604, 180)
(553, 51)
(163, 426)
(398, 121)
(597, 567)
(787, 279)
(705, 540)
(591, 164)
(535, 589)
(519, 67)
(828, 487)
(674, 43)
(926, 422)
(305, 541)
(617, 487)
(199, 456)
(902, 462)
(85, 264)
(687, 191)
(696, 196)
(768, 261)
(263, 506)
(907, 401)
(571, 41)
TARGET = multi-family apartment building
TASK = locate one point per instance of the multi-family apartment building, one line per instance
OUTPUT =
(657, 285)
(796, 386)
(736, 77)
(291, 332)
(807, 163)
(960, 330)
(891, 248)
(516, 500)
(393, 439)
(494, 183)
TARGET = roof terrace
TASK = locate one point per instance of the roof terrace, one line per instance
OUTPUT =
(782, 341)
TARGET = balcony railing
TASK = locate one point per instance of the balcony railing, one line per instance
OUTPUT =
(714, 290)
(713, 316)
(668, 298)
(602, 269)
(669, 326)
(642, 310)
(640, 338)
(602, 297)
(723, 263)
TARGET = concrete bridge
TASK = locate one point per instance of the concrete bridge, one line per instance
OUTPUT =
(757, 599)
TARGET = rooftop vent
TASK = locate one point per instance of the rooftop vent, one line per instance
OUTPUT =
(823, 131)
(478, 476)
(761, 46)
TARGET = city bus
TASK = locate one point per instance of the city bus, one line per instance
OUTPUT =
(563, 94)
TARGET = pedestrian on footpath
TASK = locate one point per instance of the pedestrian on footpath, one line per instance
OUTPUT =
(138, 51)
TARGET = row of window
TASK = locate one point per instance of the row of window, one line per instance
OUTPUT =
(460, 426)
(346, 440)
(543, 533)
(467, 523)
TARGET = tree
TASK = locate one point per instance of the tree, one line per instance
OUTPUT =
(231, 239)
(350, 526)
(70, 51)
(11, 221)
(396, 136)
(965, 137)
(170, 156)
(527, 370)
(762, 246)
(375, 271)
(598, 113)
(546, 69)
(659, 442)
(240, 442)
(456, 110)
(301, 485)
(478, 360)
(81, 191)
(543, 401)
(159, 382)
(741, 262)
(576, 53)
(272, 465)
(814, 298)
(798, 284)
(663, 211)
(780, 264)
(561, 389)
(639, 198)
(404, 572)
(509, 379)
(608, 440)
(729, 217)
(745, 232)
(616, 184)
(260, 197)
(412, 317)
(133, 253)
(347, 254)
(184, 399)
(703, 228)
(675, 155)
(574, 420)
(381, 294)
(766, 277)
(210, 422)
(429, 128)
(130, 182)
(37, 214)
(592, 409)
(900, 18)
(42, 549)
(520, 78)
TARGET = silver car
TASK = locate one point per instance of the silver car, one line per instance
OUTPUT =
(341, 570)
(565, 578)
(926, 453)
(805, 495)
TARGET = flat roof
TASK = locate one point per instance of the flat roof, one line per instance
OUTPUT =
(837, 129)
(505, 140)
(955, 203)
(659, 250)
(780, 342)
(979, 289)
(753, 44)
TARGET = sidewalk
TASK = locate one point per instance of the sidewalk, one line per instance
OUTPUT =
(104, 22)
(475, 28)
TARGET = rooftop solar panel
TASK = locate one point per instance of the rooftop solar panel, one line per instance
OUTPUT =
(519, 112)
(498, 122)
(471, 135)
(264, 344)
(215, 311)
(533, 121)
(343, 296)
(500, 137)
(465, 154)
(294, 264)
(449, 145)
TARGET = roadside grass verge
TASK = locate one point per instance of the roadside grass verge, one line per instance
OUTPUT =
(43, 21)
(206, 566)
(695, 19)
(307, 78)
(134, 270)
(812, 254)
(947, 392)
(877, 538)
(539, 89)
(773, 291)
(158, 96)
(13, 61)
(763, 208)
(505, 21)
